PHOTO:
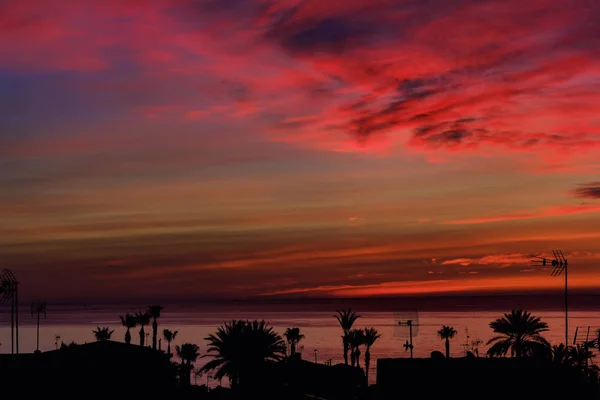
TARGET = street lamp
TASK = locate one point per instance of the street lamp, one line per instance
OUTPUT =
(316, 355)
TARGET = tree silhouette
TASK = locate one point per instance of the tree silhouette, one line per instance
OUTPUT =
(169, 337)
(560, 354)
(154, 312)
(103, 333)
(356, 338)
(346, 319)
(579, 357)
(241, 349)
(293, 337)
(142, 320)
(370, 336)
(189, 353)
(129, 321)
(446, 333)
(520, 334)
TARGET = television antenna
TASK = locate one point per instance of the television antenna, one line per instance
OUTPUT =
(9, 291)
(38, 310)
(560, 264)
(407, 321)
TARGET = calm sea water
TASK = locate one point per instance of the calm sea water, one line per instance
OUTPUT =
(323, 335)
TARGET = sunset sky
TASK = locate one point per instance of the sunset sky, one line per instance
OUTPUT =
(233, 148)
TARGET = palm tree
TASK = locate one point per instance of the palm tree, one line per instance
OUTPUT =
(142, 320)
(293, 336)
(579, 356)
(103, 333)
(560, 354)
(356, 338)
(154, 312)
(371, 336)
(129, 321)
(346, 318)
(520, 333)
(598, 339)
(169, 337)
(241, 349)
(189, 353)
(447, 333)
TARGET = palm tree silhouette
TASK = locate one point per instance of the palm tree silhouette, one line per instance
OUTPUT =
(63, 345)
(293, 337)
(169, 337)
(346, 318)
(189, 353)
(356, 338)
(560, 354)
(447, 333)
(579, 357)
(241, 349)
(129, 321)
(520, 333)
(103, 333)
(371, 336)
(154, 312)
(142, 320)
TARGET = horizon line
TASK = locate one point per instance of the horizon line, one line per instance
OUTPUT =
(327, 299)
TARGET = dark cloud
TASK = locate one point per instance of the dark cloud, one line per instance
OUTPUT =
(588, 191)
(330, 35)
(448, 134)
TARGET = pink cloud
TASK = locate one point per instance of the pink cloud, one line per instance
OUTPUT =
(503, 260)
(556, 211)
(363, 77)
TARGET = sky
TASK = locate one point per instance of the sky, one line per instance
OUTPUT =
(257, 148)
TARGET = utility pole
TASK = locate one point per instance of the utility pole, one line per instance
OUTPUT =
(38, 309)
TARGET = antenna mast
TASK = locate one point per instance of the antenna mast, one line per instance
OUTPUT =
(560, 264)
(9, 291)
(409, 319)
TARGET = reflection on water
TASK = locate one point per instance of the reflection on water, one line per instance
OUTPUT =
(320, 328)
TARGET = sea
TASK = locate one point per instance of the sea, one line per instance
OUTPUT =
(322, 343)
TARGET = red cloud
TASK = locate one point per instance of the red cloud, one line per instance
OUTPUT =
(358, 76)
(541, 213)
(498, 259)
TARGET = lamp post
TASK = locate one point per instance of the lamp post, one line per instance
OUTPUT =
(316, 356)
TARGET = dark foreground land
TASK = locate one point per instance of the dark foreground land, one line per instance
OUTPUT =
(481, 378)
(114, 369)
